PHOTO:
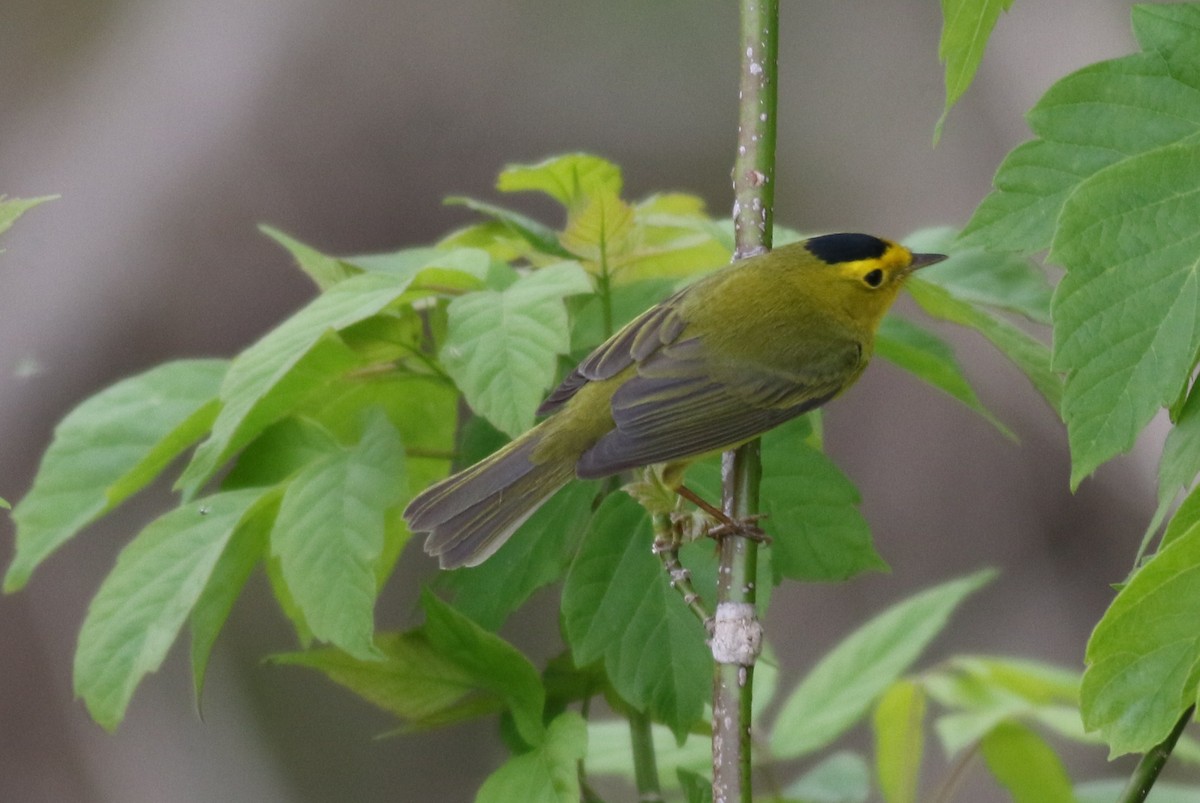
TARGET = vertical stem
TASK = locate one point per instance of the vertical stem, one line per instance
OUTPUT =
(737, 634)
(645, 768)
(1151, 765)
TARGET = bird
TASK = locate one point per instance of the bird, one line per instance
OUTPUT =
(722, 361)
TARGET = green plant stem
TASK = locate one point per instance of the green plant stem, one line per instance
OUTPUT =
(753, 217)
(667, 541)
(1147, 770)
(645, 767)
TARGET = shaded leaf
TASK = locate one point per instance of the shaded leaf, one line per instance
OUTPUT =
(696, 788)
(492, 663)
(108, 448)
(1144, 655)
(812, 511)
(537, 555)
(1003, 280)
(929, 358)
(144, 601)
(618, 606)
(1026, 352)
(267, 380)
(245, 549)
(844, 684)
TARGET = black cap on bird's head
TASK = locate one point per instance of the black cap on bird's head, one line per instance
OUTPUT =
(833, 249)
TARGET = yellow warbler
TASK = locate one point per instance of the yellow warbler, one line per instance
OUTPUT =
(718, 363)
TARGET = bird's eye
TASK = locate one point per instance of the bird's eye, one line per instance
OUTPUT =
(874, 278)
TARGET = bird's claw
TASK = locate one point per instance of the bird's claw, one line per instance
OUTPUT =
(745, 528)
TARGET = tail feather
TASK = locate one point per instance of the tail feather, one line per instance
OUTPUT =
(471, 514)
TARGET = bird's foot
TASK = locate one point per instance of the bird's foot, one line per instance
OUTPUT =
(745, 528)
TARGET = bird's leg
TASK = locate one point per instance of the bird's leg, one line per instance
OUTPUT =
(746, 528)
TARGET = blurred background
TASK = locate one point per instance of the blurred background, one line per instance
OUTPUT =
(172, 127)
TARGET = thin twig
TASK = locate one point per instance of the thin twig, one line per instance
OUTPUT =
(667, 540)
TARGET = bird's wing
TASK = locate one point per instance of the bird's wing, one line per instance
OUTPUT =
(641, 337)
(681, 404)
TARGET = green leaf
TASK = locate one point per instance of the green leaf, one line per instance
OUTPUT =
(325, 271)
(502, 348)
(812, 511)
(600, 232)
(492, 663)
(844, 684)
(13, 208)
(844, 777)
(618, 606)
(538, 555)
(570, 179)
(1186, 517)
(422, 408)
(1108, 791)
(4, 504)
(928, 357)
(282, 450)
(696, 788)
(1126, 331)
(966, 26)
(1026, 352)
(143, 602)
(609, 752)
(271, 377)
(1026, 766)
(1005, 281)
(1144, 655)
(1181, 453)
(898, 722)
(1092, 119)
(329, 535)
(413, 680)
(245, 549)
(547, 774)
(106, 449)
(540, 236)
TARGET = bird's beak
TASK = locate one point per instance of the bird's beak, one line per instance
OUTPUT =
(924, 260)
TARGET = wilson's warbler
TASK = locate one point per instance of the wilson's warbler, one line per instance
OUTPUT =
(718, 363)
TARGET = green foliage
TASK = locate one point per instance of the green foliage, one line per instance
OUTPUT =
(321, 431)
(966, 26)
(1025, 765)
(1106, 185)
(840, 688)
(1144, 655)
(13, 208)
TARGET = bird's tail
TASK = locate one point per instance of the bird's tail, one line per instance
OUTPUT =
(470, 515)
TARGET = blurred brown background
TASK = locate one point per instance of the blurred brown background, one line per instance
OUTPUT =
(172, 128)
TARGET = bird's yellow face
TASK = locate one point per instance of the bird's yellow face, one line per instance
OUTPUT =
(866, 273)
